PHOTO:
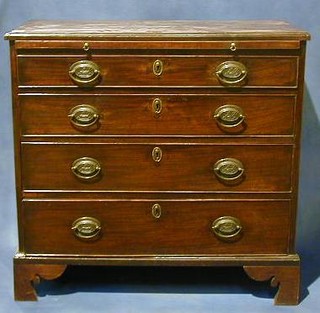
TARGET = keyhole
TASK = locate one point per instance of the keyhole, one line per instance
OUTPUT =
(156, 210)
(157, 67)
(156, 154)
(157, 106)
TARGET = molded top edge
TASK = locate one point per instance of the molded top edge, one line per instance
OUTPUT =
(250, 29)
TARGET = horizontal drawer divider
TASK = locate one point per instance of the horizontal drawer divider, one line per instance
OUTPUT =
(155, 87)
(248, 199)
(99, 91)
(209, 143)
(155, 191)
(101, 195)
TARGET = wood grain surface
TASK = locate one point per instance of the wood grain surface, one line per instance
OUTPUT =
(106, 29)
(51, 198)
(130, 167)
(137, 71)
(134, 115)
(128, 227)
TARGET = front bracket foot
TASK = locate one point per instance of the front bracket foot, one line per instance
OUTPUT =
(27, 275)
(286, 278)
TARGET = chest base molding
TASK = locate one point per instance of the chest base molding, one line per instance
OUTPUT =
(282, 271)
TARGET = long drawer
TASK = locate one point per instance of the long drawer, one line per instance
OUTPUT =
(157, 114)
(156, 227)
(163, 167)
(178, 70)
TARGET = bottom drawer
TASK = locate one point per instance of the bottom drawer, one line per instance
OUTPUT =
(148, 227)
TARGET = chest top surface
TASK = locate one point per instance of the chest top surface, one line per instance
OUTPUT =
(249, 29)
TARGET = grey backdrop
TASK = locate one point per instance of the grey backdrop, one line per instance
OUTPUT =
(153, 295)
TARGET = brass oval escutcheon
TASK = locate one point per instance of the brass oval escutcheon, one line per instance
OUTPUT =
(228, 169)
(229, 115)
(226, 227)
(156, 210)
(156, 154)
(86, 168)
(231, 73)
(157, 106)
(157, 67)
(85, 73)
(83, 115)
(86, 227)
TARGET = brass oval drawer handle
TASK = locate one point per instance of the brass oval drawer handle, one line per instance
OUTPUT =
(83, 115)
(229, 115)
(85, 73)
(231, 73)
(157, 67)
(86, 227)
(227, 227)
(156, 154)
(156, 210)
(228, 169)
(86, 168)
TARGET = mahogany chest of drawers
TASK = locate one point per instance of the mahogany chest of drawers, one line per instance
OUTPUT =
(157, 143)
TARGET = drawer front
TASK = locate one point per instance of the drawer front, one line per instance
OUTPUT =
(185, 71)
(165, 167)
(157, 115)
(132, 228)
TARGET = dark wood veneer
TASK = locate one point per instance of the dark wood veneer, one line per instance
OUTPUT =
(129, 228)
(180, 115)
(122, 164)
(132, 70)
(50, 198)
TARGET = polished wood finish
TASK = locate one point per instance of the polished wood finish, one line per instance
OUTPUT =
(286, 278)
(158, 43)
(26, 276)
(175, 171)
(153, 30)
(129, 71)
(180, 115)
(56, 208)
(129, 228)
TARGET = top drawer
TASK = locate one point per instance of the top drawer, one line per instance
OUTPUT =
(158, 71)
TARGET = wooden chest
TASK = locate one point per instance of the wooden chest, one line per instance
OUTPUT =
(157, 143)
